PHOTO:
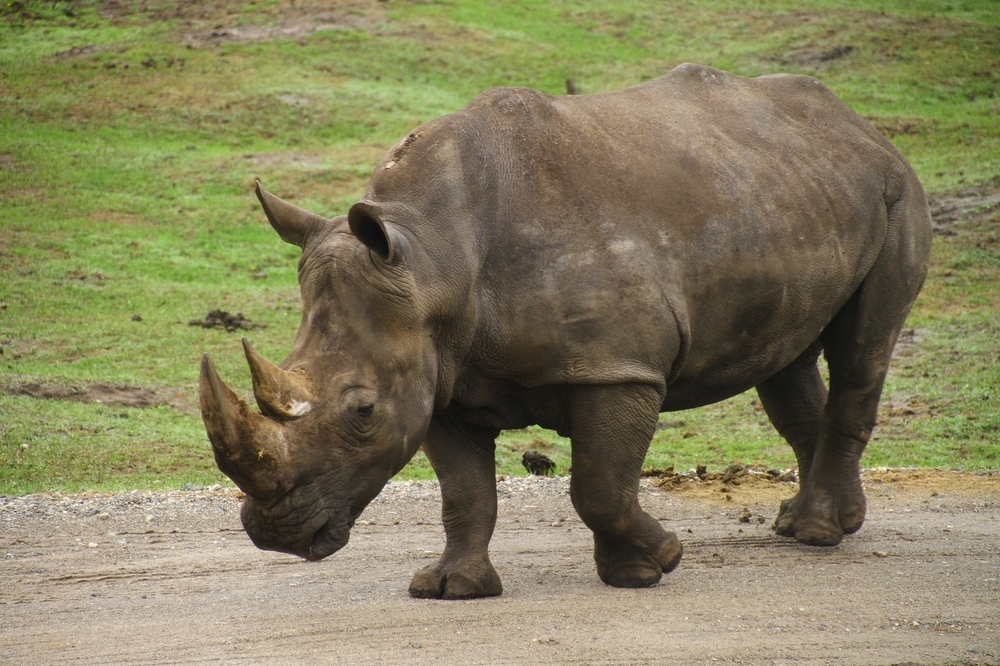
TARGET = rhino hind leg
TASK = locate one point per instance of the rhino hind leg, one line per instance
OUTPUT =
(463, 459)
(794, 399)
(858, 345)
(611, 427)
(831, 500)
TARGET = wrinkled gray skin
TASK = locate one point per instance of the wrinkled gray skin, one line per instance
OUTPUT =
(584, 263)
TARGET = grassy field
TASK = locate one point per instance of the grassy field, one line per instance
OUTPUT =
(131, 134)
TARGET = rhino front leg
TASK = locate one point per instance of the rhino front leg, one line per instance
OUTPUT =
(463, 459)
(611, 427)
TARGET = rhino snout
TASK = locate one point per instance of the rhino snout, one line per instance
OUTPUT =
(322, 535)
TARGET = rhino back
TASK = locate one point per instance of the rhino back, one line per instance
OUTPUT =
(698, 230)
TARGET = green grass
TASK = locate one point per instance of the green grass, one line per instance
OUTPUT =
(130, 139)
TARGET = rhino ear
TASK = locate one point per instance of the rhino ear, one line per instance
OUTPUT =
(381, 237)
(292, 223)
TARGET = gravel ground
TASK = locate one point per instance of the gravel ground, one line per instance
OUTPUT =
(165, 578)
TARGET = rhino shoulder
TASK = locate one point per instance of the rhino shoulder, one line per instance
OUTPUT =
(510, 101)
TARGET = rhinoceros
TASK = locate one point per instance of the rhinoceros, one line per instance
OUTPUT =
(583, 263)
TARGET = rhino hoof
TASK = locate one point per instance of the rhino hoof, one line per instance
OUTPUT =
(817, 520)
(784, 524)
(818, 534)
(633, 579)
(624, 565)
(470, 578)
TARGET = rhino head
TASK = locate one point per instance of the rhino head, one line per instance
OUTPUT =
(352, 402)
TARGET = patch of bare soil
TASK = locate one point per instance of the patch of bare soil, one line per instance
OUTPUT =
(8, 163)
(808, 57)
(121, 395)
(975, 204)
(755, 484)
(218, 21)
(893, 126)
(86, 49)
(146, 578)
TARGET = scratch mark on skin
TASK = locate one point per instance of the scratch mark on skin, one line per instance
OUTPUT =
(570, 318)
(284, 442)
(400, 150)
(622, 246)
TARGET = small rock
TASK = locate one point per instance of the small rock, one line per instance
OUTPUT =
(880, 553)
(104, 516)
(745, 516)
(91, 545)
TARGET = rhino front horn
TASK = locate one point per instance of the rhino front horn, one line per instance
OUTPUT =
(249, 448)
(279, 393)
(292, 223)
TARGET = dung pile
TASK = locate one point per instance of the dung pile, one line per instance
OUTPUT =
(734, 475)
(538, 464)
(224, 320)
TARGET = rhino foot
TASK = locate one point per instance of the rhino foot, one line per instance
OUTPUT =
(821, 516)
(622, 564)
(464, 578)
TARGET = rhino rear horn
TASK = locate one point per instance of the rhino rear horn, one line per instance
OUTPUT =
(279, 393)
(292, 223)
(249, 448)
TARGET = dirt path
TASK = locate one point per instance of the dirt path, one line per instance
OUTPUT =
(171, 579)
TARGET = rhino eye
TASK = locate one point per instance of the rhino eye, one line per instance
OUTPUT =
(366, 410)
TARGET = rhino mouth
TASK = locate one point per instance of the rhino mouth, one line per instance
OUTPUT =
(326, 542)
(330, 538)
